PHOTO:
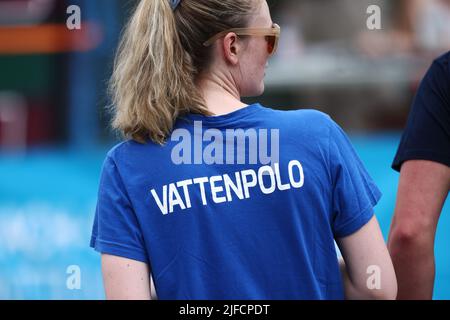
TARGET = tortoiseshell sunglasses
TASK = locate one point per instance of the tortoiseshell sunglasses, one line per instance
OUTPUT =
(272, 36)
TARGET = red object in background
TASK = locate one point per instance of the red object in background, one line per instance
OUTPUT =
(40, 124)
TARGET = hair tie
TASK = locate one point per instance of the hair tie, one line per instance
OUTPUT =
(174, 4)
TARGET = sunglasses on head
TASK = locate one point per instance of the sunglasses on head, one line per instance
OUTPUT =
(272, 36)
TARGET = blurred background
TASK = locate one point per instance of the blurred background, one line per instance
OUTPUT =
(54, 131)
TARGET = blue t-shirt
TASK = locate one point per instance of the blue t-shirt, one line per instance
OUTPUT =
(427, 135)
(215, 220)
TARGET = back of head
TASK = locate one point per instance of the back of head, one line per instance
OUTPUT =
(160, 57)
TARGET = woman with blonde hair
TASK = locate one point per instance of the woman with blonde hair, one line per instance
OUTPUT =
(193, 200)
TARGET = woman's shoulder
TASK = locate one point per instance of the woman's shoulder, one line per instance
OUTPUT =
(298, 113)
(310, 120)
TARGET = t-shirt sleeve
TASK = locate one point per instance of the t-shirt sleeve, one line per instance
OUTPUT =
(116, 230)
(427, 134)
(354, 192)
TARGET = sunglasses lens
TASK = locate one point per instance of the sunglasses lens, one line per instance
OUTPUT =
(271, 41)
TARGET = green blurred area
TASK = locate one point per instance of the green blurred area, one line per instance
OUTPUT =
(33, 75)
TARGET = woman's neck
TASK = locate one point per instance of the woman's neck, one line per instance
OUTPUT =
(221, 96)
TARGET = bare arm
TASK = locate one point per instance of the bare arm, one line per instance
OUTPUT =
(362, 251)
(125, 279)
(422, 191)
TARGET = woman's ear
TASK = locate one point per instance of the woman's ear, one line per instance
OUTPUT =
(231, 48)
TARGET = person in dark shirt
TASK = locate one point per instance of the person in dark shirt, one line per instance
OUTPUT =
(423, 160)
